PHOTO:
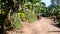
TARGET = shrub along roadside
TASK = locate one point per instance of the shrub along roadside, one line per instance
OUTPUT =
(16, 21)
(18, 17)
(30, 16)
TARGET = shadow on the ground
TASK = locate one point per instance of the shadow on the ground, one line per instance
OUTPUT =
(57, 25)
(53, 31)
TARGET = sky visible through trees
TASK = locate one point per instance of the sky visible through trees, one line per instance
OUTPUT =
(47, 2)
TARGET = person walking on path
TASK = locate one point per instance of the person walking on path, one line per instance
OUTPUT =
(54, 19)
(39, 16)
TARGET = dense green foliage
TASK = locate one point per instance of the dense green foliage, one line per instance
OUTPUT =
(16, 21)
(31, 16)
(54, 10)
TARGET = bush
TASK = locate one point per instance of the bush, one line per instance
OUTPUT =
(50, 17)
(58, 21)
(22, 16)
(31, 16)
(16, 21)
(58, 16)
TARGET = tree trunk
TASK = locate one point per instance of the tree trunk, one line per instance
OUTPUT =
(2, 30)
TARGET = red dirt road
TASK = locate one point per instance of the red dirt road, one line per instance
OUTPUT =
(42, 26)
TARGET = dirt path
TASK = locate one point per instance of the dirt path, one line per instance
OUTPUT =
(42, 26)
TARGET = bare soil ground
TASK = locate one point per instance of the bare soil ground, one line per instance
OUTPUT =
(42, 26)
